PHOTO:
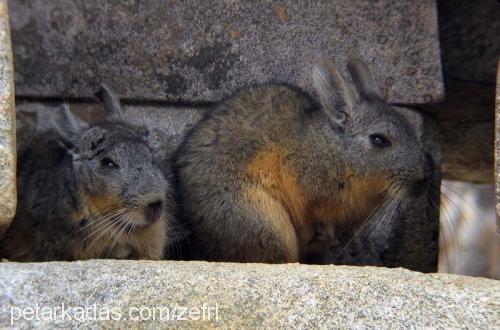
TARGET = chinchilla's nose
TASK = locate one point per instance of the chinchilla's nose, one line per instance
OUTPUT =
(154, 210)
(423, 179)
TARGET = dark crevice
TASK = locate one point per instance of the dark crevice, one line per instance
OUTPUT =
(124, 101)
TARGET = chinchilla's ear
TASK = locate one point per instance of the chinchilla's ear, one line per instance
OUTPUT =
(413, 118)
(363, 79)
(336, 97)
(68, 126)
(112, 105)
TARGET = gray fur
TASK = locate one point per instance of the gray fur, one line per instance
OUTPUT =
(68, 193)
(326, 147)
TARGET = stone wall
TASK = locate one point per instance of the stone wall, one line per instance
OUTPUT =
(204, 50)
(7, 124)
(469, 48)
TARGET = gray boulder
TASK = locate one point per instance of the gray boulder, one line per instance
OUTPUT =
(241, 295)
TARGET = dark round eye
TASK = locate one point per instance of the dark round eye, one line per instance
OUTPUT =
(108, 163)
(380, 141)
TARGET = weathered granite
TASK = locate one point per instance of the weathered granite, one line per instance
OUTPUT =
(247, 295)
(7, 124)
(203, 50)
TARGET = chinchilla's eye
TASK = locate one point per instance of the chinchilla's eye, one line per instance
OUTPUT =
(108, 163)
(380, 141)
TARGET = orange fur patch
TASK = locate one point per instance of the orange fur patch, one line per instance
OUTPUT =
(279, 220)
(270, 171)
(148, 242)
(348, 207)
(101, 205)
(363, 196)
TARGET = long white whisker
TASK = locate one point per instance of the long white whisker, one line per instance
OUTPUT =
(368, 218)
(108, 227)
(104, 217)
(121, 222)
(102, 223)
(116, 235)
(390, 209)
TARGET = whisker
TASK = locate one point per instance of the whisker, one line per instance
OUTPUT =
(99, 223)
(473, 209)
(368, 218)
(102, 218)
(108, 227)
(448, 232)
(102, 225)
(116, 234)
(389, 210)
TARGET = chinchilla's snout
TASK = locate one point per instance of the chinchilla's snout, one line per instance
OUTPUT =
(151, 196)
(423, 176)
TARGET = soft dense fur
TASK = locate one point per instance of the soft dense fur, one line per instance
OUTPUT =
(269, 175)
(89, 192)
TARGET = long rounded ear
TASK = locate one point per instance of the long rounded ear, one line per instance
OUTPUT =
(363, 79)
(68, 126)
(334, 94)
(112, 105)
(413, 118)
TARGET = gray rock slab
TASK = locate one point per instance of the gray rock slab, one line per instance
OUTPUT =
(7, 124)
(203, 50)
(469, 47)
(470, 43)
(244, 295)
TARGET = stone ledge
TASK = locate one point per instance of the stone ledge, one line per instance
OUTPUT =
(254, 295)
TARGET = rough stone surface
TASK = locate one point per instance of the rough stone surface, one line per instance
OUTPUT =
(469, 33)
(249, 295)
(467, 126)
(7, 125)
(203, 50)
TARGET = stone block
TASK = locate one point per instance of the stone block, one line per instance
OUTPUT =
(469, 40)
(7, 124)
(242, 296)
(204, 50)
